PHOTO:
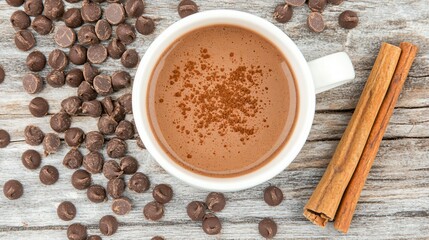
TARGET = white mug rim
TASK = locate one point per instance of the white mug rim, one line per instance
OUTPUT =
(297, 63)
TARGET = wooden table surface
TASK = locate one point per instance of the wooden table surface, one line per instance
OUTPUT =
(394, 203)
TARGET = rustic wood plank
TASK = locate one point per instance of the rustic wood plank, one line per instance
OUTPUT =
(394, 203)
(405, 123)
(361, 43)
(395, 198)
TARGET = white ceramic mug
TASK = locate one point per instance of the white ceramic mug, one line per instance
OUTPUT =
(311, 77)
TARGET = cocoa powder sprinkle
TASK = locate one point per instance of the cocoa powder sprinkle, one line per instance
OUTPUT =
(221, 101)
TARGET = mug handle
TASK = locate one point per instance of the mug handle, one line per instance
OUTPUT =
(331, 71)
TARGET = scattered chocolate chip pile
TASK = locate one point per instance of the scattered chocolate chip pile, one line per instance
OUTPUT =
(273, 196)
(87, 34)
(315, 21)
(204, 211)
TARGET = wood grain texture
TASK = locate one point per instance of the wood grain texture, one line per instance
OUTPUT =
(395, 200)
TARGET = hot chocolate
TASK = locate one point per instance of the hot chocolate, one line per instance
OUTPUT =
(222, 101)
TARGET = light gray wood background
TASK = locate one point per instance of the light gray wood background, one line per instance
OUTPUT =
(394, 203)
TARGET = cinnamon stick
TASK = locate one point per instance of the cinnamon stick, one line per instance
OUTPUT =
(351, 196)
(324, 202)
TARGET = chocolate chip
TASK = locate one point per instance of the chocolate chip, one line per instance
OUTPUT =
(162, 193)
(267, 228)
(90, 11)
(139, 183)
(15, 3)
(196, 210)
(66, 211)
(20, 20)
(108, 225)
(48, 175)
(116, 187)
(348, 19)
(73, 18)
(74, 1)
(157, 238)
(125, 130)
(33, 135)
(42, 25)
(71, 105)
(77, 54)
(60, 122)
(103, 29)
(120, 80)
(87, 36)
(4, 138)
(273, 196)
(211, 224)
(36, 61)
(31, 159)
(51, 143)
(130, 58)
(94, 237)
(92, 108)
(73, 159)
(118, 113)
(38, 107)
(54, 9)
(153, 211)
(129, 165)
(103, 85)
(76, 231)
(74, 137)
(317, 5)
(134, 8)
(145, 25)
(74, 77)
(32, 83)
(126, 33)
(295, 3)
(126, 102)
(85, 91)
(93, 162)
(283, 13)
(13, 189)
(96, 194)
(65, 37)
(2, 74)
(89, 72)
(115, 13)
(315, 22)
(24, 40)
(335, 2)
(107, 105)
(111, 170)
(81, 179)
(94, 141)
(216, 201)
(56, 79)
(116, 148)
(140, 143)
(186, 8)
(122, 206)
(33, 7)
(58, 60)
(97, 53)
(107, 125)
(115, 48)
